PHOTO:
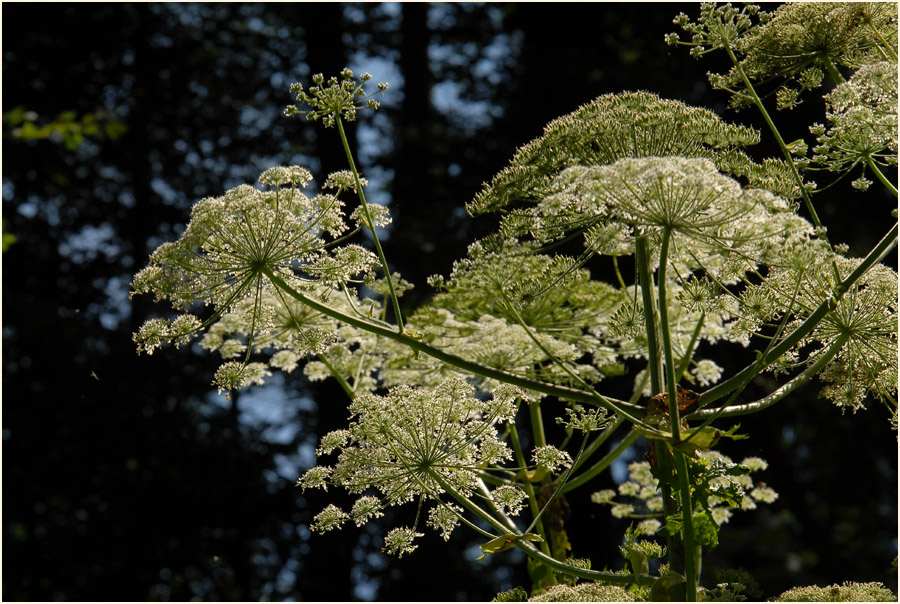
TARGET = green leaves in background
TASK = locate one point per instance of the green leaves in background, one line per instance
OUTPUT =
(8, 238)
(67, 127)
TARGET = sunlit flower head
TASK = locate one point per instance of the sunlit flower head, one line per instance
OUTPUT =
(417, 443)
(795, 46)
(227, 252)
(404, 443)
(610, 128)
(399, 541)
(862, 116)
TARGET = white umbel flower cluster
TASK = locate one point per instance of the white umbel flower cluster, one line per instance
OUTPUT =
(225, 256)
(417, 443)
(862, 117)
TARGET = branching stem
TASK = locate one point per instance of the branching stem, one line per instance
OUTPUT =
(881, 177)
(669, 364)
(562, 392)
(533, 552)
(781, 144)
(529, 490)
(370, 224)
(781, 392)
(884, 247)
(645, 277)
(691, 555)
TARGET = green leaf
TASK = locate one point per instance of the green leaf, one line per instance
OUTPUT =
(703, 438)
(15, 116)
(694, 440)
(640, 565)
(8, 238)
(654, 420)
(504, 542)
(659, 591)
(114, 129)
(674, 523)
(533, 476)
(706, 531)
(733, 435)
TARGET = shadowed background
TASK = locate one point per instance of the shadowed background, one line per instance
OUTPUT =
(128, 478)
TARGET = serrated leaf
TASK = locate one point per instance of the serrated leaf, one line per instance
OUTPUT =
(733, 435)
(706, 531)
(674, 524)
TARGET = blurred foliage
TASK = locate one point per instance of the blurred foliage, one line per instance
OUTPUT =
(67, 127)
(8, 238)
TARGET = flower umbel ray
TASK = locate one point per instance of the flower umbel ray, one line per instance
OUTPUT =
(399, 440)
(336, 98)
(412, 442)
(233, 242)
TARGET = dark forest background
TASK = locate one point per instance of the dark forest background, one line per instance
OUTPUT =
(128, 478)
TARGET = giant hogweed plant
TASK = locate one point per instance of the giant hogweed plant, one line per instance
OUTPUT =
(447, 406)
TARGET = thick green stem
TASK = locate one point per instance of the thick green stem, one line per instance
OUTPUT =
(691, 554)
(779, 393)
(681, 469)
(533, 552)
(529, 490)
(562, 392)
(370, 224)
(884, 247)
(645, 276)
(664, 327)
(881, 177)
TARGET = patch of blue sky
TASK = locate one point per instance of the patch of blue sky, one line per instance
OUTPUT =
(462, 113)
(166, 192)
(115, 308)
(90, 242)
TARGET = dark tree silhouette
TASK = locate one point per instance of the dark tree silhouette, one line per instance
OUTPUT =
(128, 478)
